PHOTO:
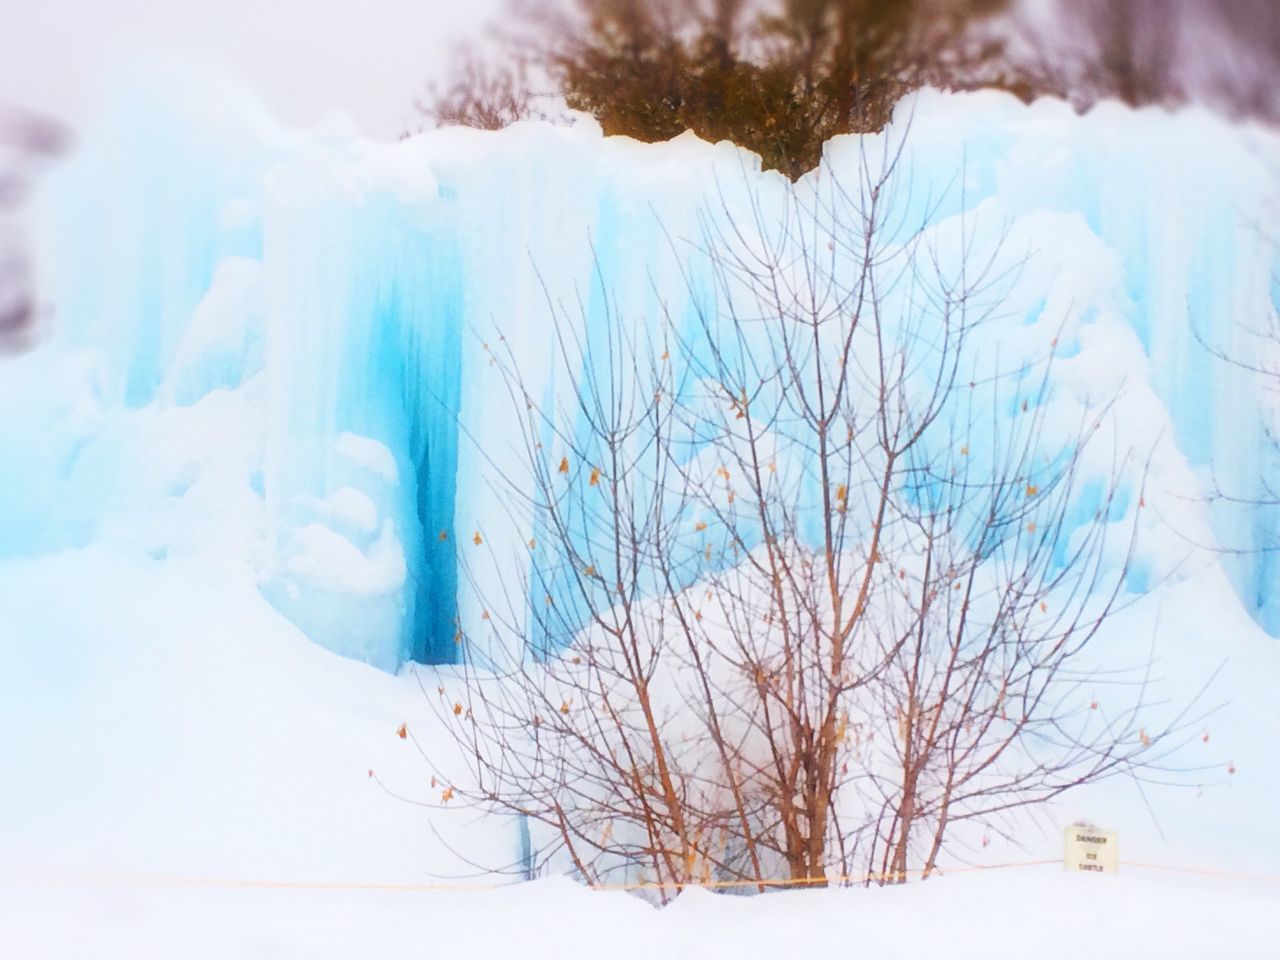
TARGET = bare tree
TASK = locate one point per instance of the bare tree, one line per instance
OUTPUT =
(481, 93)
(780, 78)
(808, 579)
(1128, 50)
(26, 142)
(1239, 52)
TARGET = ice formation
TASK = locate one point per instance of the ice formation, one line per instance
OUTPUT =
(270, 349)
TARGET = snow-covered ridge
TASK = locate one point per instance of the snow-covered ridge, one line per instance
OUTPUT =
(269, 349)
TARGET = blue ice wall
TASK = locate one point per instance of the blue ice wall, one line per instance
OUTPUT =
(146, 212)
(351, 294)
(368, 311)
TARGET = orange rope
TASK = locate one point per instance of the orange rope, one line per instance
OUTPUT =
(1203, 872)
(446, 887)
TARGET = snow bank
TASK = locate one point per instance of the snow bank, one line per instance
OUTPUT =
(1040, 913)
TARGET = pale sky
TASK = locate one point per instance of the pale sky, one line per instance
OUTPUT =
(305, 58)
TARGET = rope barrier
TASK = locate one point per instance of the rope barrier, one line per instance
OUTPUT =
(1203, 872)
(163, 880)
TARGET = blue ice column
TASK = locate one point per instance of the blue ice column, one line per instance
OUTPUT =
(366, 303)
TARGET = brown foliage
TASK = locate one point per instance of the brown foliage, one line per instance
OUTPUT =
(781, 78)
(482, 95)
(777, 79)
(780, 82)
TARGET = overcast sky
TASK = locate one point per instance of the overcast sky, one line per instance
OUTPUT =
(304, 57)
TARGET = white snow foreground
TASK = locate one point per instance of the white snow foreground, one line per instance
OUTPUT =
(1042, 913)
(218, 463)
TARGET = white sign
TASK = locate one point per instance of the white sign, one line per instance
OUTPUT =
(1090, 850)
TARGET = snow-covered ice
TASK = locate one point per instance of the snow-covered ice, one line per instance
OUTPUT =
(249, 446)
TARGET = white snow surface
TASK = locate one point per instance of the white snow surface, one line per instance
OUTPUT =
(209, 484)
(169, 735)
(1036, 913)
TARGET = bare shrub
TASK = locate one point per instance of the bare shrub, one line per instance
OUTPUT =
(809, 582)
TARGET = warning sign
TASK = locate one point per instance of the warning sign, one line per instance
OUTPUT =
(1090, 850)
